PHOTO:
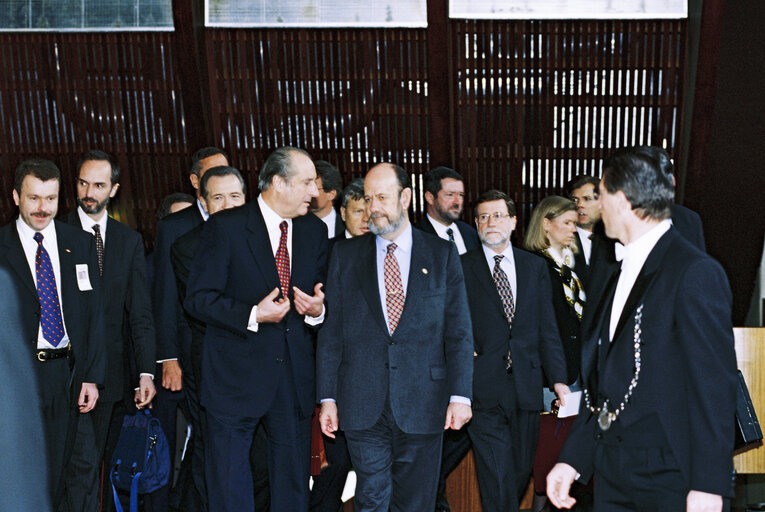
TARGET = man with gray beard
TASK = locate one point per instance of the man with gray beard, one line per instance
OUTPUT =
(399, 323)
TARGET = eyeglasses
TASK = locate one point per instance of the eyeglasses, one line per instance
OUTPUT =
(484, 217)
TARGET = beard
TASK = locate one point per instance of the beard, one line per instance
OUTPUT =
(450, 214)
(96, 208)
(496, 241)
(393, 223)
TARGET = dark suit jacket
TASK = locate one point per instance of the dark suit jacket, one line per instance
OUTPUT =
(427, 359)
(688, 371)
(81, 309)
(233, 270)
(21, 426)
(569, 325)
(534, 342)
(580, 262)
(688, 223)
(339, 227)
(172, 331)
(469, 234)
(126, 306)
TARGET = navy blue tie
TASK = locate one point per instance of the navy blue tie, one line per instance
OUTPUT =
(50, 308)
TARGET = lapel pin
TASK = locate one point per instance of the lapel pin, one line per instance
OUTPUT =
(67, 250)
(425, 271)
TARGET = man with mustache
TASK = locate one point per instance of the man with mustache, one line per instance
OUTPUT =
(55, 269)
(394, 357)
(127, 309)
(516, 338)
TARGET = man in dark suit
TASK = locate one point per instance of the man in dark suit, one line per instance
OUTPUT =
(444, 199)
(329, 184)
(328, 486)
(394, 357)
(173, 333)
(656, 427)
(21, 424)
(128, 323)
(583, 190)
(516, 337)
(256, 282)
(221, 188)
(54, 268)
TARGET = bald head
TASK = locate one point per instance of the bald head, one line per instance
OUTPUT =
(387, 195)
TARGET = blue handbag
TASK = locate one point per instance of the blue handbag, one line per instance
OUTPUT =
(141, 460)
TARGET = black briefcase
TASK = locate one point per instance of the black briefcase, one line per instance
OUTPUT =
(748, 429)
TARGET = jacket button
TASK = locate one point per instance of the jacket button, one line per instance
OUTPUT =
(599, 436)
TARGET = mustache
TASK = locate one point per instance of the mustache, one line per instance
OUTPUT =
(42, 214)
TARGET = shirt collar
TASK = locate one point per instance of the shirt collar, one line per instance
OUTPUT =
(88, 223)
(27, 233)
(202, 210)
(270, 217)
(440, 228)
(489, 253)
(637, 251)
(403, 241)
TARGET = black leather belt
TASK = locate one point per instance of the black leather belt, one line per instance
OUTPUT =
(49, 354)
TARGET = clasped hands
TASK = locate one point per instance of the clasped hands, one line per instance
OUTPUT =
(272, 309)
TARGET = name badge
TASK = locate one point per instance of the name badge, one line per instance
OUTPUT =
(83, 279)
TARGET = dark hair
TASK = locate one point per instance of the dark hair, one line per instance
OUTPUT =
(201, 154)
(648, 189)
(658, 154)
(432, 178)
(277, 164)
(40, 168)
(330, 177)
(580, 181)
(97, 154)
(220, 170)
(494, 195)
(168, 201)
(354, 190)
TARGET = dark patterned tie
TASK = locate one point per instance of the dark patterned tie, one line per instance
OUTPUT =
(450, 232)
(99, 248)
(394, 291)
(283, 260)
(50, 308)
(506, 296)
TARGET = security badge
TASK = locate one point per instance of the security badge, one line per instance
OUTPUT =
(83, 278)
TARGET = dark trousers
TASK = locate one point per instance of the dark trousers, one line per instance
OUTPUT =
(504, 440)
(227, 461)
(635, 471)
(327, 491)
(60, 417)
(395, 471)
(84, 469)
(456, 446)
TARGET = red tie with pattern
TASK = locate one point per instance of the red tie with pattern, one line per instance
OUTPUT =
(283, 260)
(394, 291)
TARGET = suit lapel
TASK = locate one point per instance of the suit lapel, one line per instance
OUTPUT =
(68, 276)
(115, 246)
(14, 252)
(368, 279)
(260, 245)
(480, 270)
(300, 257)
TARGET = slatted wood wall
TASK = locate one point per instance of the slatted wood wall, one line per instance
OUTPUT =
(531, 103)
(62, 94)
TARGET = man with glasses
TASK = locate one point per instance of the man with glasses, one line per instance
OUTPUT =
(511, 350)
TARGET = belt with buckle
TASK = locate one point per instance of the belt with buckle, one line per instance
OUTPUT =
(49, 354)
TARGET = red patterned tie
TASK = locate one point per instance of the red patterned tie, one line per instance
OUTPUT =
(394, 291)
(283, 260)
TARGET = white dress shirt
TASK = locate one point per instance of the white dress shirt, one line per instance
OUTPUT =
(272, 220)
(584, 237)
(330, 220)
(202, 210)
(441, 232)
(50, 242)
(635, 253)
(507, 264)
(88, 223)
